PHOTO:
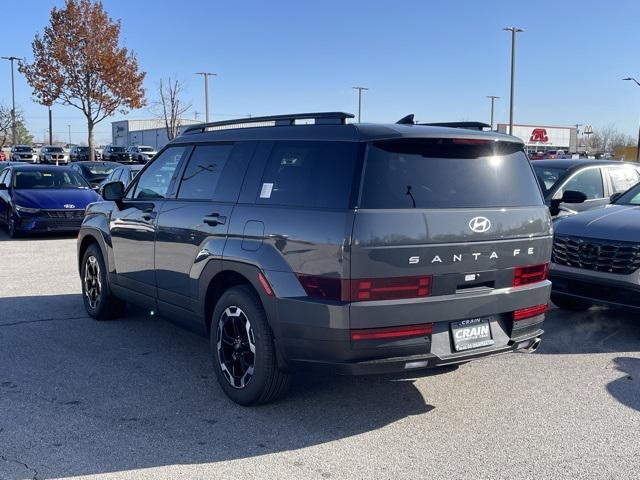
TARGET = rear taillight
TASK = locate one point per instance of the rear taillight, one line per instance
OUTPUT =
(529, 312)
(365, 289)
(392, 288)
(530, 274)
(421, 330)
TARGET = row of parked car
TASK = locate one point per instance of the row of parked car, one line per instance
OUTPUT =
(56, 155)
(48, 198)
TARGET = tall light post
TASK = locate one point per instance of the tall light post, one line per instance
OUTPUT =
(69, 127)
(513, 31)
(578, 125)
(493, 99)
(206, 76)
(13, 100)
(360, 89)
(50, 126)
(638, 146)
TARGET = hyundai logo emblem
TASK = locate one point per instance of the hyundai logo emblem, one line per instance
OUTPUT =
(69, 205)
(480, 224)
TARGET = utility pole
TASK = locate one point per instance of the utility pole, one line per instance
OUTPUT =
(13, 100)
(50, 126)
(360, 89)
(69, 127)
(513, 31)
(206, 76)
(578, 125)
(493, 99)
(638, 146)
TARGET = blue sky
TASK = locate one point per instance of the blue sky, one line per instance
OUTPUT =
(438, 60)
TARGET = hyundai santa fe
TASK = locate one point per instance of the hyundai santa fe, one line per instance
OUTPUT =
(357, 248)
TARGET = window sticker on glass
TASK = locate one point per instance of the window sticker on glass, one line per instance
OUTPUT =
(267, 188)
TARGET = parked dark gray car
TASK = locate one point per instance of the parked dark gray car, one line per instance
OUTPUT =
(572, 186)
(350, 247)
(596, 256)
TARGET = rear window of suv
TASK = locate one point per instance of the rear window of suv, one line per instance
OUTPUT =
(448, 173)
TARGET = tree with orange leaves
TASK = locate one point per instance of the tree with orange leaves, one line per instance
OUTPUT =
(78, 62)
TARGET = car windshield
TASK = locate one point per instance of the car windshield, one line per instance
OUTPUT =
(23, 149)
(117, 149)
(145, 149)
(53, 149)
(82, 149)
(631, 197)
(441, 173)
(548, 177)
(48, 179)
(98, 169)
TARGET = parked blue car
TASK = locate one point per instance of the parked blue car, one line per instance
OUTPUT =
(35, 198)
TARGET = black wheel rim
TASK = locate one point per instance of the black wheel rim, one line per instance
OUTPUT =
(236, 347)
(92, 282)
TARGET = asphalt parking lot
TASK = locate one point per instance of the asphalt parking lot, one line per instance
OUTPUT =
(137, 398)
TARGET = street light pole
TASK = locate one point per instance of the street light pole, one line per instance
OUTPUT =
(360, 89)
(638, 146)
(69, 127)
(493, 99)
(513, 31)
(578, 125)
(50, 126)
(206, 76)
(13, 100)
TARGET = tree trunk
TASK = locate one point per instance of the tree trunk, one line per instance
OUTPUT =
(92, 153)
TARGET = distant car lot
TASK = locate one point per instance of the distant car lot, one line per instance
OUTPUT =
(135, 398)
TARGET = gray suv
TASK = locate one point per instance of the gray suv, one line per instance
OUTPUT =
(358, 248)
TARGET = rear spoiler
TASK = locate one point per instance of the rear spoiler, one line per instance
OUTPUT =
(409, 120)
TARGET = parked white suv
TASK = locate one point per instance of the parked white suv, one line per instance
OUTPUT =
(141, 153)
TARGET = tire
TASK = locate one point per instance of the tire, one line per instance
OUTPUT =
(572, 304)
(11, 226)
(96, 293)
(245, 364)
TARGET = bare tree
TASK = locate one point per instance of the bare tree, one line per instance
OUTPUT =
(170, 106)
(22, 135)
(608, 138)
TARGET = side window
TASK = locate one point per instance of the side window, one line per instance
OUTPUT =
(3, 177)
(203, 172)
(309, 174)
(155, 181)
(587, 181)
(622, 178)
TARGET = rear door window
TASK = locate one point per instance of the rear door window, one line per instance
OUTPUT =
(622, 178)
(587, 181)
(448, 173)
(203, 171)
(309, 174)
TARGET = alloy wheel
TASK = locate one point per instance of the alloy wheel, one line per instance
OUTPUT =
(92, 282)
(236, 347)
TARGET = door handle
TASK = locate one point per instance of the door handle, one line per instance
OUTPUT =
(214, 219)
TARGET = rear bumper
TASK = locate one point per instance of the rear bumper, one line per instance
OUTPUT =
(411, 363)
(315, 335)
(596, 287)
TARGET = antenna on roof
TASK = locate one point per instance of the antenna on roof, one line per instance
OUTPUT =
(407, 120)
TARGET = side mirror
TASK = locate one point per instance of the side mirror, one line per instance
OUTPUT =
(613, 198)
(573, 196)
(113, 191)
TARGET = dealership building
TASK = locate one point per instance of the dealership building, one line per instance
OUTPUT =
(541, 138)
(143, 132)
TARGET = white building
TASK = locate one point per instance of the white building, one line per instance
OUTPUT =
(143, 132)
(540, 138)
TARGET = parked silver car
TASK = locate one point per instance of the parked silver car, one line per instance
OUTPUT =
(141, 153)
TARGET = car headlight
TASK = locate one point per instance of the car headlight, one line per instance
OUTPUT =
(26, 209)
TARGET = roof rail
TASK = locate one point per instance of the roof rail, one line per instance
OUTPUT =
(320, 118)
(465, 125)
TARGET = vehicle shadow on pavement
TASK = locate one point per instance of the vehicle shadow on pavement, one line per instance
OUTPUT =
(82, 397)
(598, 330)
(36, 236)
(626, 389)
